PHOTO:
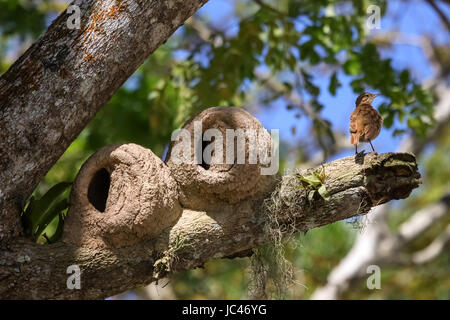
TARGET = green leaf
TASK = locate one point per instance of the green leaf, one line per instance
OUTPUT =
(38, 211)
(322, 175)
(311, 195)
(401, 115)
(59, 230)
(404, 77)
(357, 85)
(48, 216)
(324, 193)
(352, 66)
(334, 84)
(388, 120)
(312, 180)
(51, 195)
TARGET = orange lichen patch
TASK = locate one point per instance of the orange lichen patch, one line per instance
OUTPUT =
(98, 17)
(95, 28)
(115, 10)
(90, 58)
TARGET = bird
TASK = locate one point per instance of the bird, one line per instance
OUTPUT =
(365, 121)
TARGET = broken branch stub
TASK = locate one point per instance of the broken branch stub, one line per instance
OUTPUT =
(236, 142)
(122, 194)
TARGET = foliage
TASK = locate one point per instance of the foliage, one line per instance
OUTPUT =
(314, 184)
(297, 39)
(21, 17)
(39, 214)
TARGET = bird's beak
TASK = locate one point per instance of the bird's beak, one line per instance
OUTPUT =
(376, 95)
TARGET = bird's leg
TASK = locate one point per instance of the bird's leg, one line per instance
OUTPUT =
(372, 146)
(356, 148)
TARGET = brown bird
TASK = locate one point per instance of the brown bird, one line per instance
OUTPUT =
(365, 121)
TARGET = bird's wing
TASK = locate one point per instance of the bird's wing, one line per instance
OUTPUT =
(373, 126)
(354, 127)
(353, 120)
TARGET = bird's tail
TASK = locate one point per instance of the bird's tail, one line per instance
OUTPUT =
(355, 138)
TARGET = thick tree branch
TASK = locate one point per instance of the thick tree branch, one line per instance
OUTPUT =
(29, 270)
(50, 93)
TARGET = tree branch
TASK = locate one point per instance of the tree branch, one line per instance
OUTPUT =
(440, 13)
(51, 92)
(434, 249)
(29, 270)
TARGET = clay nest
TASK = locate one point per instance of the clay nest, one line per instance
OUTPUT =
(122, 194)
(203, 185)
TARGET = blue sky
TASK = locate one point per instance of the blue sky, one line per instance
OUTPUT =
(409, 17)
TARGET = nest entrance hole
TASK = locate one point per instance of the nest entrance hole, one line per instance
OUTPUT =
(98, 189)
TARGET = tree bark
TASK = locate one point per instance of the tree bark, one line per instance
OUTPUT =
(51, 92)
(355, 185)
